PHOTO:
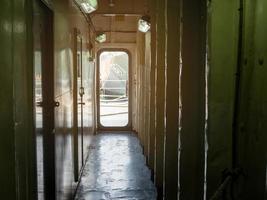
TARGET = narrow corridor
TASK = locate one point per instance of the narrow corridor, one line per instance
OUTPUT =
(116, 169)
(133, 100)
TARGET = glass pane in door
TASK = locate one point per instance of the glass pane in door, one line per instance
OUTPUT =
(114, 88)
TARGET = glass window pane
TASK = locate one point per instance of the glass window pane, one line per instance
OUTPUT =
(114, 88)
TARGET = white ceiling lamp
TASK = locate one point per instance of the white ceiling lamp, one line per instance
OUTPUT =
(88, 6)
(144, 24)
(101, 37)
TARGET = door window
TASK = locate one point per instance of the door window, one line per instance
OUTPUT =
(114, 88)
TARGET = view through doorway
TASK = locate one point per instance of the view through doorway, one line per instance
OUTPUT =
(114, 89)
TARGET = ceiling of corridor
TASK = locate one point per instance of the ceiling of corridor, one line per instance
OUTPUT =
(118, 19)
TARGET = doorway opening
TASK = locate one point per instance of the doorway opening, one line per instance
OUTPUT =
(113, 89)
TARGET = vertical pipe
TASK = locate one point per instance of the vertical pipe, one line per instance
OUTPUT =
(237, 87)
(75, 107)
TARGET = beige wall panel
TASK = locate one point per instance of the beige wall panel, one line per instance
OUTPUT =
(122, 7)
(140, 83)
(115, 23)
(147, 90)
(67, 17)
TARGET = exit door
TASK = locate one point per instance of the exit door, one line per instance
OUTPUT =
(114, 90)
(44, 99)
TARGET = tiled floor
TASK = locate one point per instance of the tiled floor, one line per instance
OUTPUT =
(116, 170)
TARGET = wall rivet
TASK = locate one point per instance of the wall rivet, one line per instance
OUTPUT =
(261, 61)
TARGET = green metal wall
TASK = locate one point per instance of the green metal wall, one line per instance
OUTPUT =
(160, 96)
(16, 169)
(250, 145)
(192, 97)
(252, 123)
(223, 23)
(172, 98)
(235, 38)
(7, 153)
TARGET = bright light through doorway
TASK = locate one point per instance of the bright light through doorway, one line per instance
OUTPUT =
(114, 88)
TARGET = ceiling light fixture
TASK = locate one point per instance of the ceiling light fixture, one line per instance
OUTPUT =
(101, 37)
(144, 24)
(88, 6)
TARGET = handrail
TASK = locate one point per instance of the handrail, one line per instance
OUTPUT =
(219, 192)
(229, 178)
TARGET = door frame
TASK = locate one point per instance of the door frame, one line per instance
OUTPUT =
(48, 102)
(99, 126)
(77, 46)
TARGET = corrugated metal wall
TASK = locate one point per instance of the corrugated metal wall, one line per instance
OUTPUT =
(207, 97)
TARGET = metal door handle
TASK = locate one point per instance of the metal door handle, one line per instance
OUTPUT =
(41, 104)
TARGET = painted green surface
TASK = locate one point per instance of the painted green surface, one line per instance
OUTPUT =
(193, 101)
(7, 150)
(223, 18)
(160, 97)
(172, 98)
(252, 124)
(23, 100)
(16, 149)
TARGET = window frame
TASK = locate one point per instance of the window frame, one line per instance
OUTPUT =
(99, 126)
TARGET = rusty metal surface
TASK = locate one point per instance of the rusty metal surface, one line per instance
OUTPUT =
(116, 169)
